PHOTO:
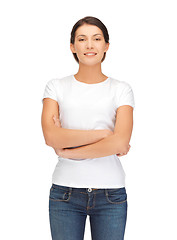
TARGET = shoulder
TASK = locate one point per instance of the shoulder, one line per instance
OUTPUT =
(120, 85)
(58, 83)
(59, 80)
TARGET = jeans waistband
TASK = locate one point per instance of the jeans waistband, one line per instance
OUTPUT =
(81, 189)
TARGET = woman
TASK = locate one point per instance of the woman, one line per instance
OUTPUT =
(88, 119)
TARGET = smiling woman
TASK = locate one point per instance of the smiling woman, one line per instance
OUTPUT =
(90, 33)
(93, 127)
(89, 44)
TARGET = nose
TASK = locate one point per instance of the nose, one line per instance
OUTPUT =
(89, 44)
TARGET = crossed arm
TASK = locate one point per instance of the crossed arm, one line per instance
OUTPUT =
(109, 145)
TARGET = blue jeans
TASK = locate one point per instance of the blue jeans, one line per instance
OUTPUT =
(69, 207)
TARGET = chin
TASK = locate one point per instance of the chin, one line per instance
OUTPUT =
(90, 63)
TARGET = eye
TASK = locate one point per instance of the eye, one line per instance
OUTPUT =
(81, 39)
(98, 39)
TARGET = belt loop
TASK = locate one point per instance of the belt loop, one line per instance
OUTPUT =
(70, 189)
(106, 192)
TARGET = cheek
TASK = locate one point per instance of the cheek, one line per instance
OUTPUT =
(100, 47)
(79, 48)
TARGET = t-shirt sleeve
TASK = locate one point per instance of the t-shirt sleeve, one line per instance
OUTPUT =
(50, 91)
(126, 96)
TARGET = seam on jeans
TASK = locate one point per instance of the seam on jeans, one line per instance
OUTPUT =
(63, 200)
(94, 196)
(63, 188)
(107, 197)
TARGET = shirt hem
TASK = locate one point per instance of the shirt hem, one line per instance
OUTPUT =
(88, 186)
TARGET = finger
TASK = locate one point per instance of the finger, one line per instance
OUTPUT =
(120, 154)
(57, 120)
(54, 118)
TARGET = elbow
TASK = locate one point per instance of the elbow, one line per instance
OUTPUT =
(123, 146)
(125, 149)
(122, 142)
(47, 139)
(121, 149)
(47, 143)
(51, 142)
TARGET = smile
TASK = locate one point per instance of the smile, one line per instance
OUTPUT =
(90, 54)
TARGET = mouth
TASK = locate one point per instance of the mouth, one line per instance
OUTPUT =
(90, 54)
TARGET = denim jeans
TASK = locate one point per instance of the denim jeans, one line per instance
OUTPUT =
(69, 207)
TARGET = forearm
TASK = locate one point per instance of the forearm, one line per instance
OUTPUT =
(65, 138)
(108, 146)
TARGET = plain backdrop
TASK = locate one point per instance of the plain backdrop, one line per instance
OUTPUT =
(34, 48)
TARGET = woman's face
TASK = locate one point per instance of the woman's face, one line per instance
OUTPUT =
(89, 38)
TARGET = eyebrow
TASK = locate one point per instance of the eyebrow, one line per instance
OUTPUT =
(93, 35)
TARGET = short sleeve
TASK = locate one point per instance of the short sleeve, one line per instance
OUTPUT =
(50, 91)
(126, 96)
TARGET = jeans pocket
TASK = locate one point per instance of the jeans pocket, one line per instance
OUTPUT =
(116, 196)
(59, 194)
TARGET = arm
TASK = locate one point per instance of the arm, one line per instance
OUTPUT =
(116, 143)
(106, 147)
(74, 138)
(58, 137)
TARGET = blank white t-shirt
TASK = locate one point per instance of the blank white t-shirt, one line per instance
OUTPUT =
(86, 106)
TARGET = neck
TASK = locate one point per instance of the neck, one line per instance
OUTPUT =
(90, 74)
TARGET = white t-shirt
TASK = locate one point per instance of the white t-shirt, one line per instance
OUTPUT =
(86, 106)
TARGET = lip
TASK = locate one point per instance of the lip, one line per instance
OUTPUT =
(91, 52)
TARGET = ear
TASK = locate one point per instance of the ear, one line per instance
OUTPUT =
(72, 48)
(107, 47)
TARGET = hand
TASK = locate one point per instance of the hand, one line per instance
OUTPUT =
(60, 152)
(64, 153)
(56, 121)
(124, 153)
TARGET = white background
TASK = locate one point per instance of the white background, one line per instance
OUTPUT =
(34, 47)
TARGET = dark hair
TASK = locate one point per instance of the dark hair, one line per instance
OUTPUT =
(91, 21)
